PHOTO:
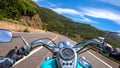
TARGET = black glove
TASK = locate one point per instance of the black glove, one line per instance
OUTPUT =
(15, 54)
(6, 63)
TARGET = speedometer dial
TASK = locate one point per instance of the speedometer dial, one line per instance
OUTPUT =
(67, 54)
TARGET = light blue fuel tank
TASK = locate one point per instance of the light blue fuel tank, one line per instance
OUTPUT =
(52, 63)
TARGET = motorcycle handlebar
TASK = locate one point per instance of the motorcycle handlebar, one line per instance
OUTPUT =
(51, 47)
(43, 43)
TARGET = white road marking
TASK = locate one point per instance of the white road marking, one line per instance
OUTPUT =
(53, 39)
(31, 53)
(100, 59)
(25, 57)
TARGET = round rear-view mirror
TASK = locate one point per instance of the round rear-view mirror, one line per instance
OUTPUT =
(5, 36)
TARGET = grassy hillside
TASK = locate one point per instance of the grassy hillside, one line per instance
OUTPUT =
(49, 20)
(23, 11)
(16, 8)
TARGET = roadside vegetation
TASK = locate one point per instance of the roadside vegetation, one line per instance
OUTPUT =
(13, 9)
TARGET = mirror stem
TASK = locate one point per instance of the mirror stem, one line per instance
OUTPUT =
(106, 37)
(24, 41)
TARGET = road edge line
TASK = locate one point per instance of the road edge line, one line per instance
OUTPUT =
(100, 59)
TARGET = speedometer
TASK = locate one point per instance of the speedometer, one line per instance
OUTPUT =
(67, 54)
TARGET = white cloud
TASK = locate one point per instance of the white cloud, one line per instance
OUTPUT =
(51, 4)
(66, 11)
(93, 12)
(84, 19)
(38, 0)
(80, 16)
(113, 2)
(102, 13)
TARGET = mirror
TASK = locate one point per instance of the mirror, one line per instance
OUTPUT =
(114, 39)
(5, 36)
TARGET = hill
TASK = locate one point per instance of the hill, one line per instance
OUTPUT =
(28, 13)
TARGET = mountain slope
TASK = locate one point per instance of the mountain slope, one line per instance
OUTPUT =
(24, 11)
(66, 26)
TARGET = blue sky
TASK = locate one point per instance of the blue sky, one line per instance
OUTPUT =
(103, 14)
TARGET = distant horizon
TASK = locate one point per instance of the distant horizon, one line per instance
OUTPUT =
(102, 14)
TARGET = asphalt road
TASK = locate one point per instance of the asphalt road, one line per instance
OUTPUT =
(37, 56)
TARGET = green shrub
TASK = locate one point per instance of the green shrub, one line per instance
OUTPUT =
(14, 9)
(26, 30)
(1, 17)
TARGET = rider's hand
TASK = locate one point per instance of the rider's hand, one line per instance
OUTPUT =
(6, 63)
(15, 54)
